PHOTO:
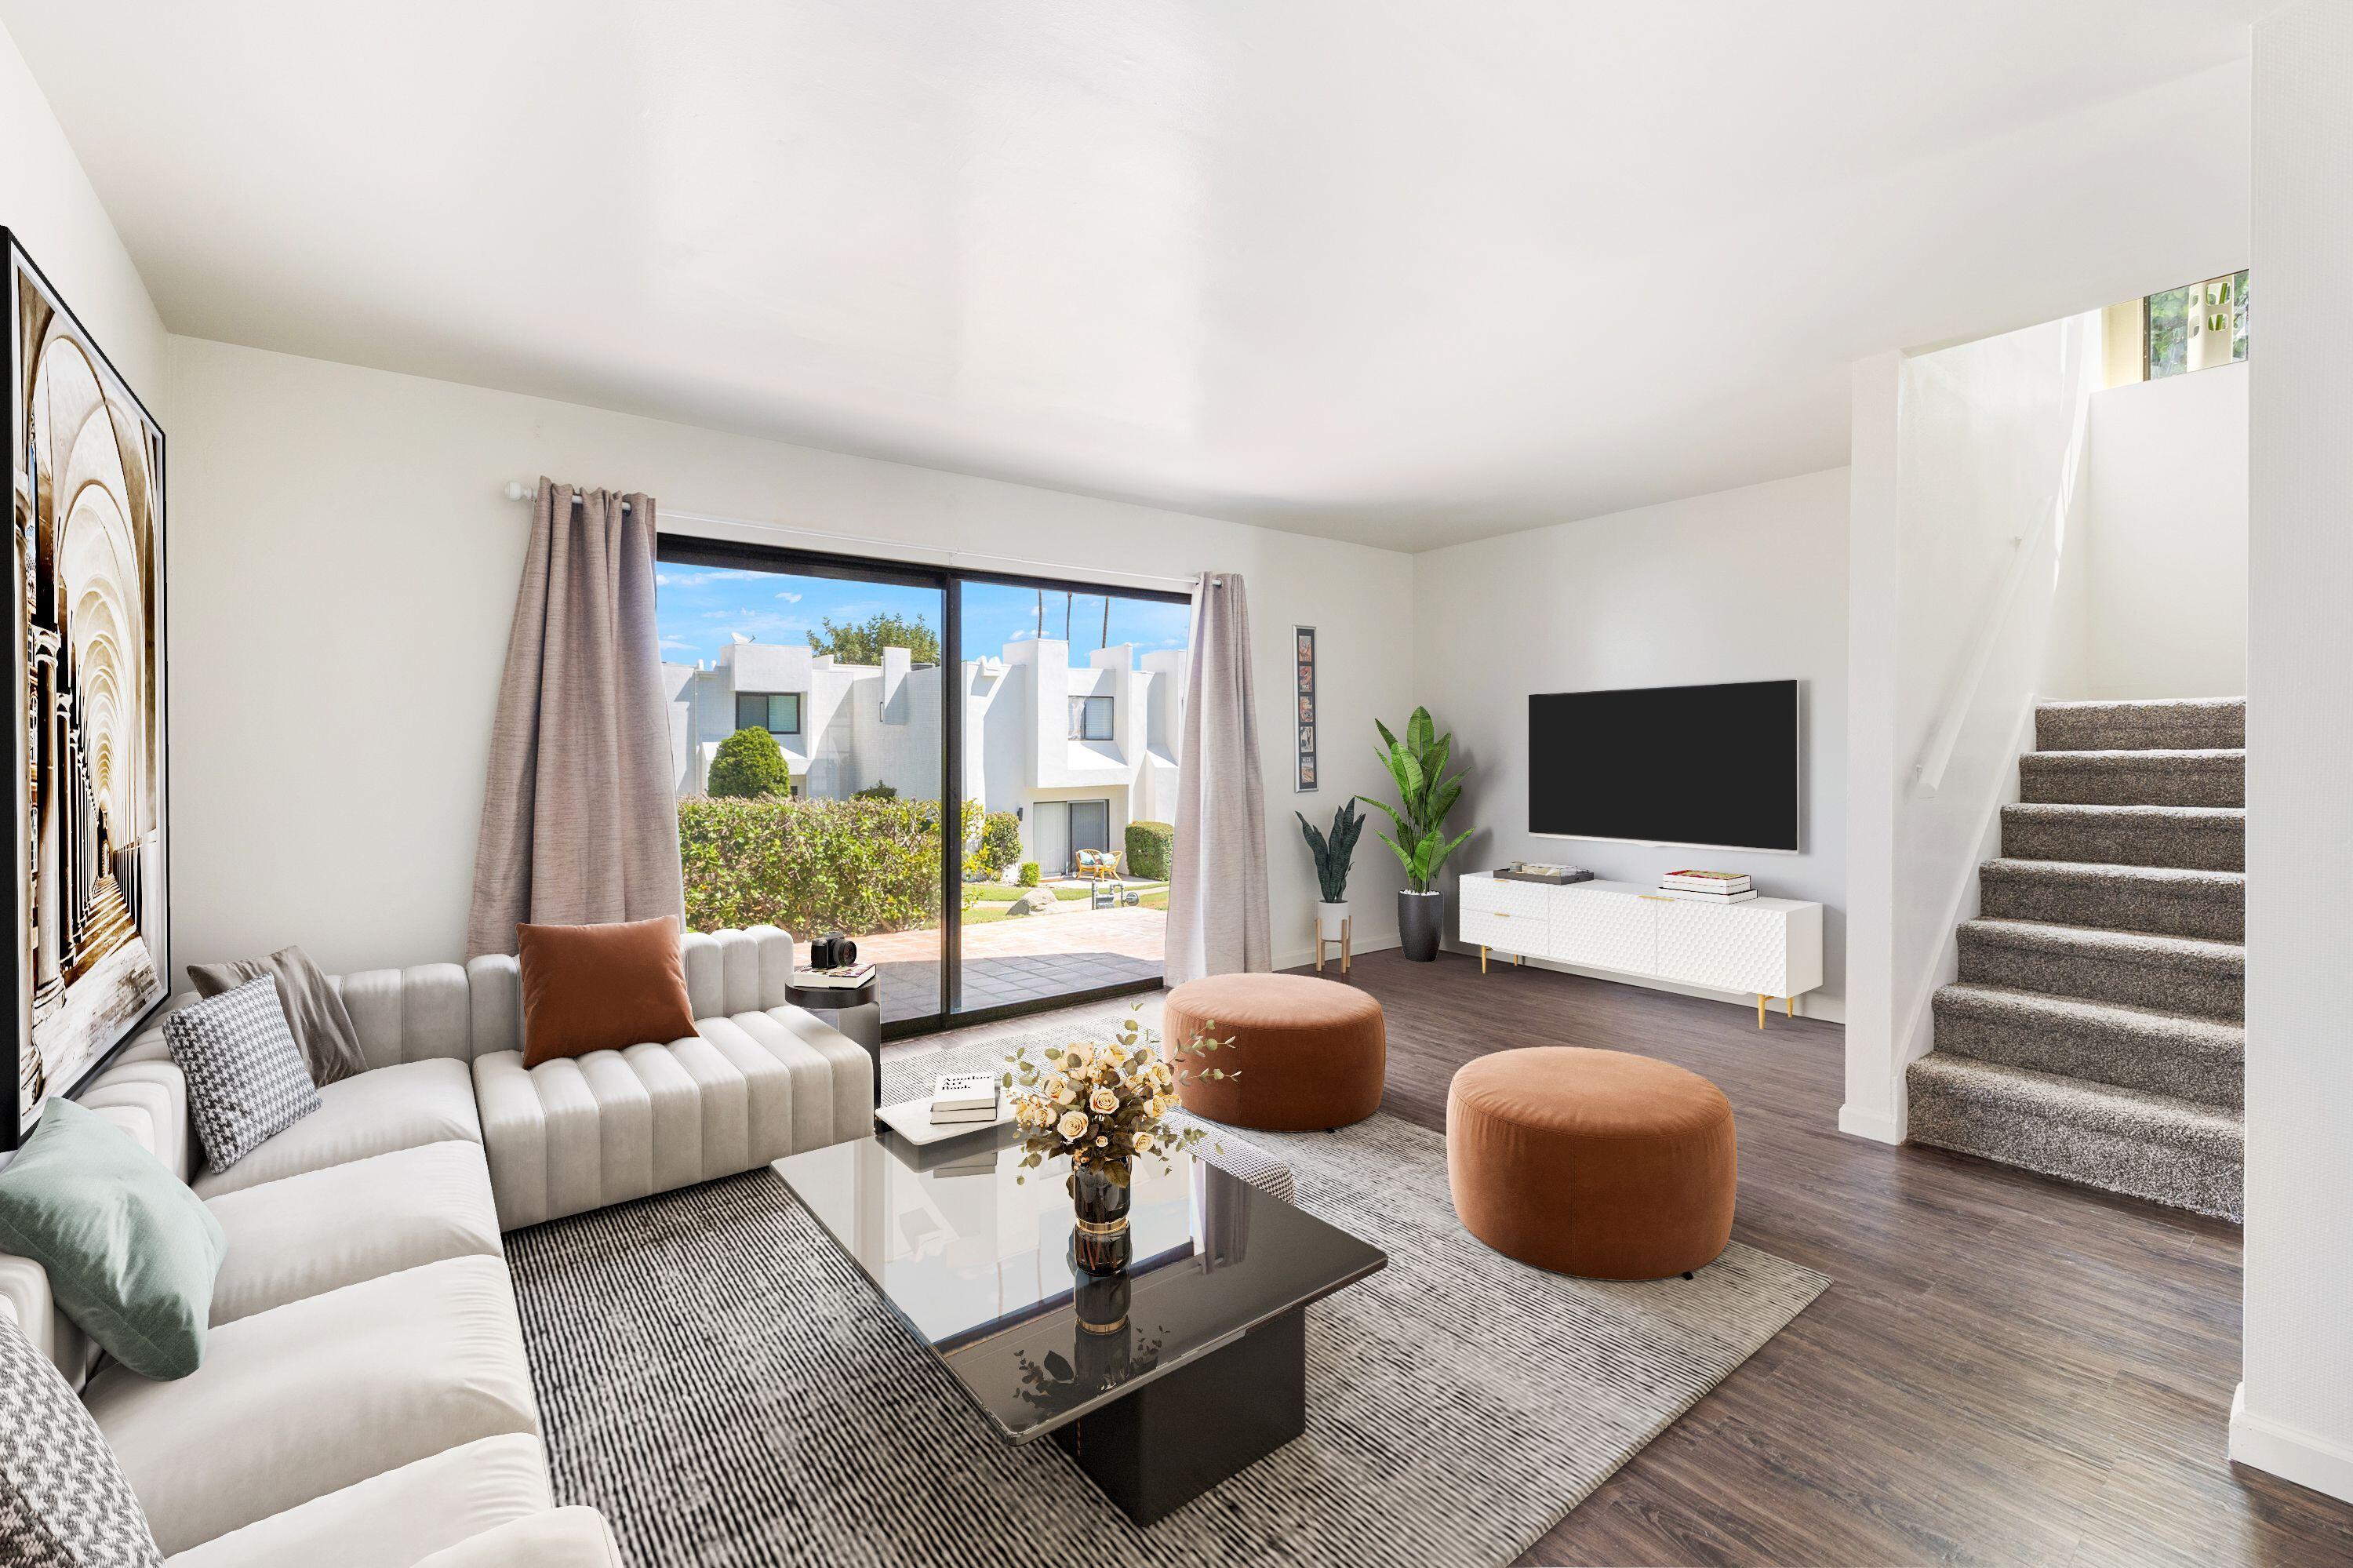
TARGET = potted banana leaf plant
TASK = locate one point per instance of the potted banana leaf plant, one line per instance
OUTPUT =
(1426, 793)
(1333, 856)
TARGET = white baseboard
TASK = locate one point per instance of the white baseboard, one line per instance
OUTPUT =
(2288, 1452)
(1859, 1121)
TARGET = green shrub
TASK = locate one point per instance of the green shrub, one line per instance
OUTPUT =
(1149, 847)
(748, 766)
(1028, 877)
(864, 867)
(1001, 842)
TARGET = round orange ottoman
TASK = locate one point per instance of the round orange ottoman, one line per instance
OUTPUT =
(1312, 1054)
(1598, 1163)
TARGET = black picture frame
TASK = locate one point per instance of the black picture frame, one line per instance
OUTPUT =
(1302, 651)
(16, 970)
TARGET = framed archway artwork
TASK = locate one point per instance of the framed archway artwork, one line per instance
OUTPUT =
(89, 945)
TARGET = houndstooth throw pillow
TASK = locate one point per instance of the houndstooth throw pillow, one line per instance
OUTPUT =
(63, 1501)
(246, 1079)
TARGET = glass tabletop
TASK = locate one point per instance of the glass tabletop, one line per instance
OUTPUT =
(978, 1266)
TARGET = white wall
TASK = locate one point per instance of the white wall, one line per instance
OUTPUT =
(2295, 1411)
(2168, 564)
(1963, 457)
(1601, 603)
(344, 572)
(48, 200)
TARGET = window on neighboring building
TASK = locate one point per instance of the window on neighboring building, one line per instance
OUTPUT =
(2175, 317)
(778, 713)
(1089, 718)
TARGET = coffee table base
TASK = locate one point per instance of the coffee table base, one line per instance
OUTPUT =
(1157, 1449)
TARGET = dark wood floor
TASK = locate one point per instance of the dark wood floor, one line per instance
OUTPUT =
(2006, 1370)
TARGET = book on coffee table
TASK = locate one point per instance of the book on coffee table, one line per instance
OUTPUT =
(965, 1096)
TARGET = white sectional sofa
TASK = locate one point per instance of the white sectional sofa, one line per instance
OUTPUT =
(365, 1399)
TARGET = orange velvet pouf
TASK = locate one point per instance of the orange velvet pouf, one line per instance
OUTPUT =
(1312, 1054)
(1598, 1163)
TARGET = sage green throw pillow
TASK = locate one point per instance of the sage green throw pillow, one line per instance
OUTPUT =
(132, 1253)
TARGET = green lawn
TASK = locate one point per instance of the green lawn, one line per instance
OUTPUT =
(993, 890)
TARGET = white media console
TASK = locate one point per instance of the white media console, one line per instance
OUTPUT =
(1764, 947)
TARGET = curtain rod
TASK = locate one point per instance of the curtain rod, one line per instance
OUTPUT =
(518, 490)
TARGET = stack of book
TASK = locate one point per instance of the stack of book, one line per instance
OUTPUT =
(1726, 887)
(848, 978)
(963, 1096)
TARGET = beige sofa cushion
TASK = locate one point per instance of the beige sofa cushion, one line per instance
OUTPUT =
(358, 1220)
(579, 1133)
(566, 1538)
(392, 1520)
(319, 1394)
(378, 1112)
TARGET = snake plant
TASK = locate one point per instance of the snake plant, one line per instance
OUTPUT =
(1332, 854)
(1425, 794)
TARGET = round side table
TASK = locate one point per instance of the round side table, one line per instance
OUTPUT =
(856, 1010)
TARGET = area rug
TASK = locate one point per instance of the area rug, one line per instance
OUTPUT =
(726, 1387)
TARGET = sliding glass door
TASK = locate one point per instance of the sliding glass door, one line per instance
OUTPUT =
(831, 716)
(1074, 697)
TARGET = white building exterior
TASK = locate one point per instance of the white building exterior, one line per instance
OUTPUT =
(1077, 751)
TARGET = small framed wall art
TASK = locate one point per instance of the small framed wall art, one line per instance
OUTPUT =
(1302, 640)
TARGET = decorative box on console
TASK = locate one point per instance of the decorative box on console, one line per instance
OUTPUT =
(1550, 875)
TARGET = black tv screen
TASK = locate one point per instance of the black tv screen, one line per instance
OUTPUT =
(1713, 766)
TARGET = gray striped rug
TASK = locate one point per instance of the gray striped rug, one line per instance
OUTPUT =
(725, 1386)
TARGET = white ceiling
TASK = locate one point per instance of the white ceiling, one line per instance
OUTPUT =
(1402, 272)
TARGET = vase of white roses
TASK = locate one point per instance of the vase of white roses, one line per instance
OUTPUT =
(1103, 1107)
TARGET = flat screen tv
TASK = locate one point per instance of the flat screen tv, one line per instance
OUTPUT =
(1713, 767)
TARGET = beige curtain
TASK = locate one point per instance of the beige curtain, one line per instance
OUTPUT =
(579, 822)
(1218, 920)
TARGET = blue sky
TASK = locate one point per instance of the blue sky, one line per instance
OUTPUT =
(700, 609)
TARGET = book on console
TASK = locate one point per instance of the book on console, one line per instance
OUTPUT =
(1708, 895)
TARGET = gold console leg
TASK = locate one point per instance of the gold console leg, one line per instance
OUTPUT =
(1789, 1005)
(1760, 1010)
(1482, 960)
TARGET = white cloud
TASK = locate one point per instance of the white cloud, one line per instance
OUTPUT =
(790, 597)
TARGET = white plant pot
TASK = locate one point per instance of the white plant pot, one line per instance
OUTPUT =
(1328, 917)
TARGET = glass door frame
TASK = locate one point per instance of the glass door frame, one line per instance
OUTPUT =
(706, 550)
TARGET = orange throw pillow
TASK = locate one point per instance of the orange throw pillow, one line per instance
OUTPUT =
(600, 988)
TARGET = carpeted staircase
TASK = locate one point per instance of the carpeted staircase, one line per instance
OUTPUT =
(2097, 1033)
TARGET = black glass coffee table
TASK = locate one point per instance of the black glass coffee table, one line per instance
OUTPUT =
(1160, 1381)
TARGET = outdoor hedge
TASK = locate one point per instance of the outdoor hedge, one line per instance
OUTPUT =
(1150, 846)
(860, 866)
(748, 764)
(1000, 842)
(863, 867)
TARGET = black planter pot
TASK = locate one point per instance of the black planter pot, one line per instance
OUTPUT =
(1419, 915)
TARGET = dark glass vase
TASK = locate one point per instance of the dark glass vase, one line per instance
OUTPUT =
(1099, 1241)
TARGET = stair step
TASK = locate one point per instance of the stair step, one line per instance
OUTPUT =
(2194, 777)
(2131, 1142)
(2135, 777)
(2138, 969)
(2168, 724)
(2190, 837)
(2209, 904)
(2198, 1059)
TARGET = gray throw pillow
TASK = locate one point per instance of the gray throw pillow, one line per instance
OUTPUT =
(130, 1251)
(63, 1501)
(246, 1080)
(315, 1014)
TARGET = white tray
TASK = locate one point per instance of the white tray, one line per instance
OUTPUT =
(912, 1120)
